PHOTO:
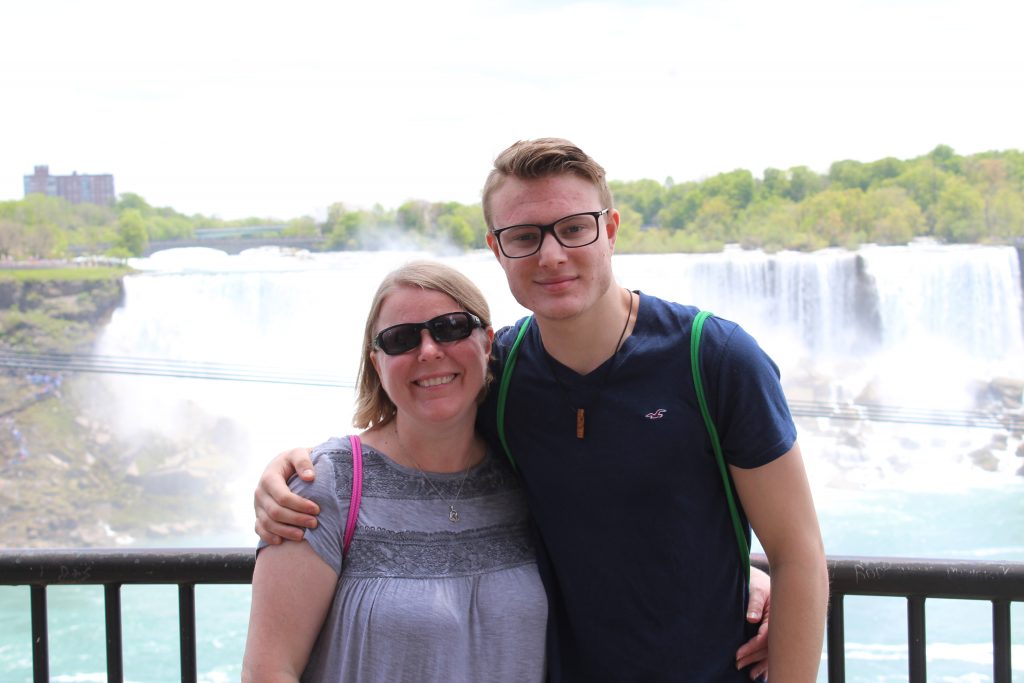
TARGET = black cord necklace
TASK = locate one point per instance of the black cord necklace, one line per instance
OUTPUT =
(581, 417)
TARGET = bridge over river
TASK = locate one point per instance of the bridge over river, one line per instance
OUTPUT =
(235, 240)
(236, 245)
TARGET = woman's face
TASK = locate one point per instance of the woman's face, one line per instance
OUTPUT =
(436, 382)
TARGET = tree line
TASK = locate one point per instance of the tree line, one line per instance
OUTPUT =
(955, 199)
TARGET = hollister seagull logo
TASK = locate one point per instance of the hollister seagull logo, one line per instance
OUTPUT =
(656, 415)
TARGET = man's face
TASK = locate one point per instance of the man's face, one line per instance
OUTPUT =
(556, 283)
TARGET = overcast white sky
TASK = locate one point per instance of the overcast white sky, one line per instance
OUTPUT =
(278, 109)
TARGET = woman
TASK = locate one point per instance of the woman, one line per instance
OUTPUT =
(440, 582)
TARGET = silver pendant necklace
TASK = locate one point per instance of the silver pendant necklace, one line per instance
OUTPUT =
(453, 514)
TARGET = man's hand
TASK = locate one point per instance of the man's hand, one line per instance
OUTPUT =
(281, 514)
(754, 652)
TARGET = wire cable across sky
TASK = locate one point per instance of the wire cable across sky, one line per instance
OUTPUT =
(124, 365)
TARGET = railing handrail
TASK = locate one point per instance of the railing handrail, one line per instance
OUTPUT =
(915, 579)
(860, 575)
(923, 577)
(93, 566)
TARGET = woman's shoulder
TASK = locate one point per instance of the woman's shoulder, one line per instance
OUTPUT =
(336, 445)
(333, 463)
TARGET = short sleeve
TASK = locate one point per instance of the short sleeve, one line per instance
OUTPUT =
(329, 460)
(755, 422)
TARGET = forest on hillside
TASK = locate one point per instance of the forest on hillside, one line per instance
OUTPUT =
(952, 198)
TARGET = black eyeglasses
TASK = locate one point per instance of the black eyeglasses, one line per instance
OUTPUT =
(449, 327)
(577, 230)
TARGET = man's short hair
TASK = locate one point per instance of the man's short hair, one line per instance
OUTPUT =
(541, 158)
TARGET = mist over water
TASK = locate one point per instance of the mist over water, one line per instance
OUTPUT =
(922, 327)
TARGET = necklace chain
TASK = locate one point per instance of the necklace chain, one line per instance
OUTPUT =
(580, 412)
(453, 514)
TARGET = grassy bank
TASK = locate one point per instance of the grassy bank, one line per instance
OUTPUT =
(62, 273)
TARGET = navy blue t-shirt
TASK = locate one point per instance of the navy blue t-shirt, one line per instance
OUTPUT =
(636, 546)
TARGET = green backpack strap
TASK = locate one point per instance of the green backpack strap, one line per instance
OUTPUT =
(698, 385)
(506, 379)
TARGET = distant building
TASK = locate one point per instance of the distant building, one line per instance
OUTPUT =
(77, 189)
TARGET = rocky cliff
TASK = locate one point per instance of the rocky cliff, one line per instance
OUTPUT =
(67, 479)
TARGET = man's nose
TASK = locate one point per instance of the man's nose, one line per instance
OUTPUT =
(551, 250)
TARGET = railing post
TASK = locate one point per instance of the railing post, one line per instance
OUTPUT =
(112, 611)
(916, 639)
(1001, 672)
(40, 638)
(187, 630)
(836, 637)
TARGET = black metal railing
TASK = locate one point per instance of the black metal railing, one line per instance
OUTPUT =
(113, 568)
(916, 580)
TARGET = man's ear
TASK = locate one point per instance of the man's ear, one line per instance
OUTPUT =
(611, 226)
(492, 242)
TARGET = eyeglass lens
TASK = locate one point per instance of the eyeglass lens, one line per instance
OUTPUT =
(444, 328)
(572, 231)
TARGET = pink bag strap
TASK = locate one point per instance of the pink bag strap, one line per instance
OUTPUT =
(357, 491)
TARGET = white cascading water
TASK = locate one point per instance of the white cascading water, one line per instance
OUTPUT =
(921, 326)
(914, 327)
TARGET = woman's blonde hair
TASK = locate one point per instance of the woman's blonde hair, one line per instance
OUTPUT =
(374, 407)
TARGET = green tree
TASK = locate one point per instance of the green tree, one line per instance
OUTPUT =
(891, 216)
(922, 180)
(646, 197)
(714, 220)
(173, 227)
(775, 183)
(945, 158)
(883, 169)
(132, 238)
(736, 187)
(1004, 215)
(849, 175)
(803, 182)
(771, 225)
(833, 217)
(130, 200)
(305, 226)
(682, 202)
(631, 224)
(414, 216)
(456, 229)
(960, 212)
(12, 239)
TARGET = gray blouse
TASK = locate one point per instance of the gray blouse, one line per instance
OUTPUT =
(419, 597)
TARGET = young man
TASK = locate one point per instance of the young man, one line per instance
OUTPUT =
(636, 545)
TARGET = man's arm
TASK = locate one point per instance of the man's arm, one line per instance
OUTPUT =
(292, 588)
(777, 499)
(281, 514)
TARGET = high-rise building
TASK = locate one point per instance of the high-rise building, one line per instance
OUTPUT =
(93, 189)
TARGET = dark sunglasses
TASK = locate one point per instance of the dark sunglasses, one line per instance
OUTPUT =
(444, 328)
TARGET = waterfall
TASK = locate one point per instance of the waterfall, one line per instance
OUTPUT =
(921, 326)
(913, 326)
(839, 302)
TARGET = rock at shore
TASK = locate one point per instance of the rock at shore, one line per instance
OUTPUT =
(67, 479)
